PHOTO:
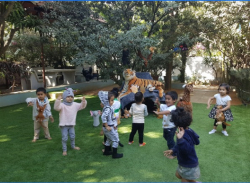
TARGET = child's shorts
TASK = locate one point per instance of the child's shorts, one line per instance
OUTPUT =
(189, 173)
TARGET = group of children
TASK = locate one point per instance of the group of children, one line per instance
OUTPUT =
(175, 122)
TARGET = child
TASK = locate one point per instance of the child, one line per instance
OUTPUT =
(138, 111)
(43, 101)
(116, 106)
(108, 120)
(168, 126)
(67, 117)
(188, 169)
(223, 99)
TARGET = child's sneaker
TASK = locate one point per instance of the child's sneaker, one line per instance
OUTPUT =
(143, 144)
(131, 142)
(224, 132)
(212, 131)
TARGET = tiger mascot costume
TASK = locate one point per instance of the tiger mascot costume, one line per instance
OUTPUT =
(131, 79)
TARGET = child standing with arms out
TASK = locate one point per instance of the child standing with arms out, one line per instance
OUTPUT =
(108, 121)
(138, 110)
(42, 101)
(169, 127)
(188, 169)
(116, 106)
(223, 99)
(67, 117)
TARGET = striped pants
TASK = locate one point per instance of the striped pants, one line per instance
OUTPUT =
(112, 137)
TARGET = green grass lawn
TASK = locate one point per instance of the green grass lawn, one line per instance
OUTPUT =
(221, 158)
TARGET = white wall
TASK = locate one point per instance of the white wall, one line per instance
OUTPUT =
(196, 67)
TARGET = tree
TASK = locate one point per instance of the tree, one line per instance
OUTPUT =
(12, 70)
(229, 33)
(12, 19)
(104, 49)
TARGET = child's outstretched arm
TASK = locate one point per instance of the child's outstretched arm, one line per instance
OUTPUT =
(168, 152)
(209, 102)
(225, 108)
(83, 103)
(157, 102)
(57, 105)
(30, 101)
(162, 112)
(183, 145)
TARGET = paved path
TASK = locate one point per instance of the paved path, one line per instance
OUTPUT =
(201, 93)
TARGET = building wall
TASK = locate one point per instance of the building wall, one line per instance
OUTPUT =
(196, 68)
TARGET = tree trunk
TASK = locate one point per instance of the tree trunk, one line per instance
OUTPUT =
(42, 60)
(168, 77)
(6, 82)
(5, 45)
(5, 13)
(13, 85)
(183, 67)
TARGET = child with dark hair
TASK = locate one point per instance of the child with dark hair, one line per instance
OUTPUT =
(224, 100)
(108, 121)
(169, 127)
(42, 101)
(138, 110)
(188, 169)
(116, 106)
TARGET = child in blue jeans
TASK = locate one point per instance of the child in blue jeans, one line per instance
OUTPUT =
(168, 126)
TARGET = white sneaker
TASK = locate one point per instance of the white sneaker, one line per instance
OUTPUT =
(212, 131)
(224, 132)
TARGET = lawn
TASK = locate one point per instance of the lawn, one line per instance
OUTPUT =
(222, 159)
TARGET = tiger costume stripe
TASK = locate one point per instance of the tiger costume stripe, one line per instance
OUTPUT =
(131, 79)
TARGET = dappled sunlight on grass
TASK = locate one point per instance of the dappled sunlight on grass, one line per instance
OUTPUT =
(115, 179)
(90, 180)
(96, 164)
(4, 138)
(17, 110)
(24, 161)
(91, 134)
(153, 134)
(11, 127)
(86, 96)
(124, 129)
(86, 172)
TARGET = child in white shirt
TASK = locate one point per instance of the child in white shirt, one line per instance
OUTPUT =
(168, 127)
(224, 100)
(138, 110)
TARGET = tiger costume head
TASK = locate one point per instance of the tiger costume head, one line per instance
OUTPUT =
(128, 74)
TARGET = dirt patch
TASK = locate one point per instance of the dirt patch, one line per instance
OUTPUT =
(202, 93)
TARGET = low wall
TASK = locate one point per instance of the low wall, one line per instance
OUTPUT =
(19, 97)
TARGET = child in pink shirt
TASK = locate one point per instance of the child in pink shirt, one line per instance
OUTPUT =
(67, 117)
